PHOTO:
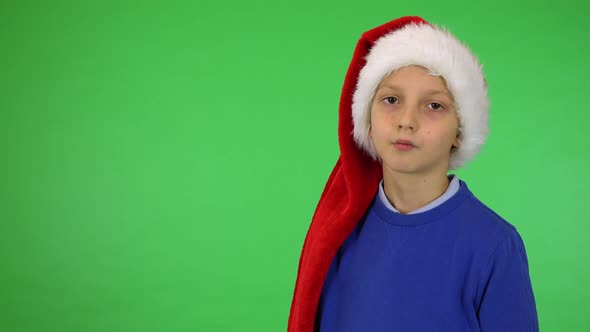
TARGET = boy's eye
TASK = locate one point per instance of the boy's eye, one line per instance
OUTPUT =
(436, 106)
(391, 100)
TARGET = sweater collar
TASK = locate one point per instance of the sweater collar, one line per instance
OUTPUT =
(429, 213)
(452, 188)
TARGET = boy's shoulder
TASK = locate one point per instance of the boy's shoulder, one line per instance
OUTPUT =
(481, 224)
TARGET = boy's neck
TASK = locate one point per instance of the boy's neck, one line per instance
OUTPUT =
(408, 192)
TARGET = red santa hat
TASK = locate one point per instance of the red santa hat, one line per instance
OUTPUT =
(354, 181)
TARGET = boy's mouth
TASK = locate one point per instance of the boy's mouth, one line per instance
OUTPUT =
(404, 141)
(403, 147)
(403, 144)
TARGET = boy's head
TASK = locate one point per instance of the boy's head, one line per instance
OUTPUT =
(418, 58)
(413, 121)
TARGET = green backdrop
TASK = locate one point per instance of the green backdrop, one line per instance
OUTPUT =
(161, 161)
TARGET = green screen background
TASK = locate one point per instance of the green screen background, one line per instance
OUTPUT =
(161, 161)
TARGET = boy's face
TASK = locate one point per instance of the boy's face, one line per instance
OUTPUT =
(412, 105)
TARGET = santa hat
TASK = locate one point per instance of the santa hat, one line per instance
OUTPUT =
(354, 181)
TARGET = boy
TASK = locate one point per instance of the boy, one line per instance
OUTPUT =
(395, 243)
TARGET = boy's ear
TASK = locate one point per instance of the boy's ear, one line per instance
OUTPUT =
(457, 141)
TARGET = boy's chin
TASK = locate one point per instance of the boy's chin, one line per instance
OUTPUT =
(411, 168)
(400, 167)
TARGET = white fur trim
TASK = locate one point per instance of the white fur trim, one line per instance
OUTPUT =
(439, 51)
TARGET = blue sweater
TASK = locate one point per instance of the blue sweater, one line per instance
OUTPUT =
(456, 267)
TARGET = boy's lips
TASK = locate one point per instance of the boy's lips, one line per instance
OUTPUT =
(404, 141)
(403, 144)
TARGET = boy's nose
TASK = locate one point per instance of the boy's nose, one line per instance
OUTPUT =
(407, 119)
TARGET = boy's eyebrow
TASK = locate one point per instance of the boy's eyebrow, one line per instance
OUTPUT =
(428, 92)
